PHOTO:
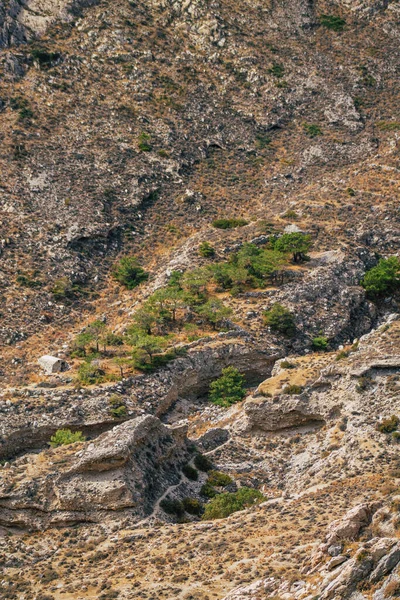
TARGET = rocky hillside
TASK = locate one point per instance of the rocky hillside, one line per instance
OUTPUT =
(193, 193)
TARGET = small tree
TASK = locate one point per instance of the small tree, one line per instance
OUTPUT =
(214, 310)
(144, 319)
(297, 244)
(280, 319)
(150, 344)
(195, 282)
(384, 278)
(228, 389)
(128, 272)
(97, 331)
(206, 250)
(225, 504)
(121, 362)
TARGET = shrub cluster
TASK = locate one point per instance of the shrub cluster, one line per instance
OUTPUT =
(225, 504)
(227, 389)
(63, 437)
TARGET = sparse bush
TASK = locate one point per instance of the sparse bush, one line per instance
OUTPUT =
(172, 507)
(227, 389)
(63, 437)
(383, 279)
(227, 503)
(214, 310)
(285, 364)
(192, 506)
(280, 319)
(342, 354)
(388, 425)
(203, 463)
(293, 390)
(332, 22)
(229, 223)
(206, 250)
(320, 343)
(262, 141)
(190, 472)
(128, 272)
(44, 57)
(312, 130)
(363, 384)
(218, 479)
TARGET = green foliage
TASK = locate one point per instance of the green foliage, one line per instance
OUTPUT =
(388, 425)
(388, 125)
(262, 141)
(225, 504)
(89, 374)
(214, 310)
(144, 142)
(342, 354)
(26, 280)
(293, 390)
(62, 289)
(206, 250)
(320, 343)
(296, 243)
(350, 192)
(192, 506)
(128, 272)
(363, 384)
(44, 57)
(218, 479)
(285, 364)
(229, 223)
(203, 463)
(172, 507)
(63, 437)
(149, 344)
(117, 406)
(208, 491)
(113, 339)
(280, 319)
(227, 389)
(383, 279)
(190, 472)
(195, 282)
(277, 70)
(332, 22)
(312, 130)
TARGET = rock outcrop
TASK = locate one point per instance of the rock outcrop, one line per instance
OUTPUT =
(120, 474)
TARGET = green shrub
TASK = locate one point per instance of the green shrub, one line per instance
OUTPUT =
(218, 479)
(208, 491)
(332, 22)
(214, 310)
(363, 383)
(280, 319)
(192, 506)
(227, 503)
(44, 57)
(262, 141)
(312, 130)
(285, 364)
(128, 272)
(229, 223)
(388, 425)
(293, 390)
(342, 354)
(227, 389)
(172, 507)
(203, 463)
(383, 279)
(89, 374)
(277, 70)
(117, 405)
(63, 437)
(206, 250)
(190, 472)
(396, 436)
(320, 343)
(144, 142)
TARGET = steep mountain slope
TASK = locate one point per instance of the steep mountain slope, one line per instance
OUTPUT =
(126, 129)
